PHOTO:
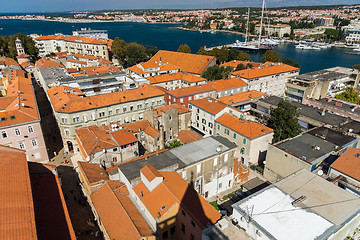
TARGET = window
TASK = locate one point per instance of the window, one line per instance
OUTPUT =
(230, 111)
(139, 106)
(34, 142)
(210, 125)
(192, 237)
(181, 100)
(197, 124)
(197, 117)
(159, 102)
(184, 174)
(67, 132)
(30, 129)
(218, 126)
(117, 110)
(124, 109)
(165, 235)
(85, 118)
(190, 98)
(242, 150)
(244, 141)
(131, 108)
(172, 231)
(170, 118)
(227, 131)
(4, 134)
(220, 185)
(101, 114)
(198, 168)
(183, 228)
(76, 119)
(203, 121)
(110, 112)
(64, 120)
(234, 135)
(17, 132)
(183, 213)
(215, 161)
(153, 102)
(21, 145)
(114, 159)
(192, 223)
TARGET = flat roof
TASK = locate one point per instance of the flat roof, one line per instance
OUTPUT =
(302, 147)
(309, 112)
(202, 149)
(331, 136)
(321, 75)
(327, 206)
(160, 161)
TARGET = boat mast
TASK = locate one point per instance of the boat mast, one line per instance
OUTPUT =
(247, 26)
(261, 21)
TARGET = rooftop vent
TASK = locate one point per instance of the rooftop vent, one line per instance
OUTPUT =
(163, 207)
(357, 155)
(303, 158)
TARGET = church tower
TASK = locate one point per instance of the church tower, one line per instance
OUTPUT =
(19, 48)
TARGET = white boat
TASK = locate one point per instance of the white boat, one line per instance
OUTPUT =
(357, 49)
(303, 46)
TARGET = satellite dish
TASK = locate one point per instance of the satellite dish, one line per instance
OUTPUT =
(320, 172)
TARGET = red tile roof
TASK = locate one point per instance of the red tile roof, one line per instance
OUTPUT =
(65, 101)
(230, 83)
(47, 62)
(119, 215)
(210, 105)
(349, 163)
(181, 109)
(73, 39)
(246, 128)
(174, 191)
(267, 69)
(17, 218)
(176, 76)
(188, 136)
(240, 97)
(9, 61)
(189, 91)
(19, 105)
(95, 139)
(235, 63)
(150, 173)
(191, 63)
(92, 172)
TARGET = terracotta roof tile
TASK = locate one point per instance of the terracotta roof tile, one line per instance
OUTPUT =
(176, 76)
(349, 163)
(235, 63)
(246, 128)
(267, 69)
(210, 105)
(9, 61)
(151, 131)
(230, 83)
(240, 97)
(64, 101)
(150, 173)
(73, 39)
(175, 191)
(92, 172)
(17, 218)
(191, 63)
(188, 91)
(47, 62)
(181, 109)
(119, 215)
(135, 127)
(188, 136)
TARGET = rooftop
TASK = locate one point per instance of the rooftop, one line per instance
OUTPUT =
(235, 63)
(189, 91)
(322, 75)
(64, 100)
(225, 84)
(17, 218)
(242, 97)
(176, 76)
(93, 172)
(173, 192)
(73, 39)
(349, 163)
(188, 136)
(249, 129)
(191, 63)
(210, 105)
(326, 206)
(266, 69)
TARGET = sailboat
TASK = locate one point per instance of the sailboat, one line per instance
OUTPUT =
(253, 45)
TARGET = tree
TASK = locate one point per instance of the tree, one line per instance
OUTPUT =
(202, 51)
(290, 62)
(243, 56)
(216, 72)
(118, 49)
(27, 42)
(333, 34)
(221, 54)
(233, 54)
(58, 48)
(283, 120)
(356, 66)
(240, 67)
(173, 144)
(350, 95)
(135, 53)
(184, 48)
(151, 51)
(271, 56)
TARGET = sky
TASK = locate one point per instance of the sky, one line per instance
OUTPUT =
(78, 5)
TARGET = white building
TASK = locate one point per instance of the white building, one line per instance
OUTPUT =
(300, 206)
(90, 33)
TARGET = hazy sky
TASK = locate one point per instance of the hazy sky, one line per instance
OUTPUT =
(68, 5)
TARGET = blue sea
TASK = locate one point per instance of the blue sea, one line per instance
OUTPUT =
(167, 37)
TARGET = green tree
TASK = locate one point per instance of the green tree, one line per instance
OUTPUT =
(216, 72)
(135, 53)
(333, 34)
(221, 54)
(233, 54)
(202, 51)
(240, 67)
(249, 65)
(118, 50)
(3, 46)
(184, 48)
(151, 51)
(271, 56)
(290, 62)
(28, 44)
(58, 48)
(173, 144)
(243, 56)
(284, 121)
(356, 66)
(350, 95)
